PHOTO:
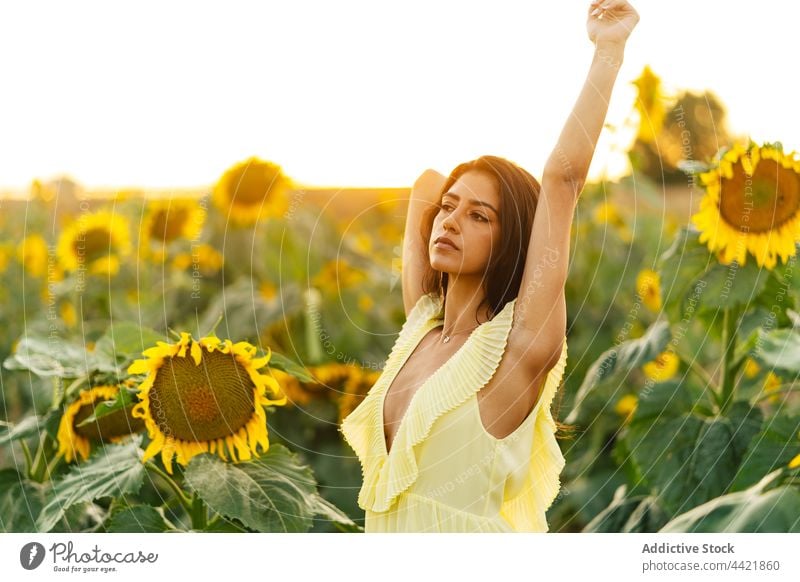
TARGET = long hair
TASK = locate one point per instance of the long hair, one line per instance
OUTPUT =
(519, 197)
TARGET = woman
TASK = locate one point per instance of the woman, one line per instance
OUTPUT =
(457, 435)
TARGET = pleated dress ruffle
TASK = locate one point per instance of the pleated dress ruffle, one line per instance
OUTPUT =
(471, 481)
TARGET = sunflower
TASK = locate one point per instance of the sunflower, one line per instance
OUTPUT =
(74, 440)
(664, 367)
(650, 104)
(336, 275)
(252, 189)
(751, 368)
(771, 384)
(32, 253)
(795, 463)
(346, 384)
(648, 286)
(6, 252)
(203, 397)
(606, 213)
(95, 242)
(168, 220)
(626, 405)
(355, 390)
(752, 203)
(203, 259)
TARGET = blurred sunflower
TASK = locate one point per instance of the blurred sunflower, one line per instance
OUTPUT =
(95, 242)
(650, 103)
(606, 213)
(751, 368)
(337, 275)
(752, 203)
(74, 440)
(648, 287)
(626, 406)
(203, 258)
(664, 367)
(32, 254)
(267, 290)
(252, 189)
(365, 302)
(68, 313)
(795, 463)
(203, 397)
(771, 384)
(346, 384)
(6, 252)
(169, 220)
(355, 390)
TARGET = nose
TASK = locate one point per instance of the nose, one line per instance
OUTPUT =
(449, 222)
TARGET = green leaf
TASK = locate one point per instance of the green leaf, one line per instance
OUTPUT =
(273, 493)
(779, 348)
(774, 446)
(112, 470)
(628, 514)
(45, 358)
(27, 427)
(20, 502)
(125, 341)
(125, 399)
(732, 285)
(615, 361)
(688, 459)
(753, 510)
(137, 519)
(281, 362)
(327, 510)
(681, 268)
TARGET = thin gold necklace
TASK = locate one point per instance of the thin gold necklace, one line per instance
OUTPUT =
(449, 335)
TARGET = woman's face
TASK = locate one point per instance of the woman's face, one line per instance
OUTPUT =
(469, 217)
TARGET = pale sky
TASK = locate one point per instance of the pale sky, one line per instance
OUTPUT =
(345, 93)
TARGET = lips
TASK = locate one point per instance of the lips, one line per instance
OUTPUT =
(445, 240)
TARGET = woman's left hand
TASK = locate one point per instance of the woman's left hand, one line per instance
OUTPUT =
(611, 21)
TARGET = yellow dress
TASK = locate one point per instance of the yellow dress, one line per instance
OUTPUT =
(445, 472)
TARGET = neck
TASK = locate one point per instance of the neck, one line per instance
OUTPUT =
(461, 314)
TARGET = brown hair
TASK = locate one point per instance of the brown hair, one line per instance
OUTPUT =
(519, 196)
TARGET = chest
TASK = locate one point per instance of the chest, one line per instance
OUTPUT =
(504, 402)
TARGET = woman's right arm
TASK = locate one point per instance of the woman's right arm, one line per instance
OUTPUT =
(426, 192)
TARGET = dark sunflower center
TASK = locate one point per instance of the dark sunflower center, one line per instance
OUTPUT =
(92, 244)
(761, 202)
(168, 224)
(112, 425)
(253, 187)
(202, 403)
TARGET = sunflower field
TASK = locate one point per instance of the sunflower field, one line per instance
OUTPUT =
(182, 363)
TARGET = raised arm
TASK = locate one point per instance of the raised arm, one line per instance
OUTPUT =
(425, 193)
(540, 314)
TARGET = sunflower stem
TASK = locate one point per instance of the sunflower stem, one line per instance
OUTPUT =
(182, 497)
(698, 370)
(198, 513)
(780, 389)
(38, 471)
(28, 459)
(52, 465)
(213, 330)
(728, 369)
